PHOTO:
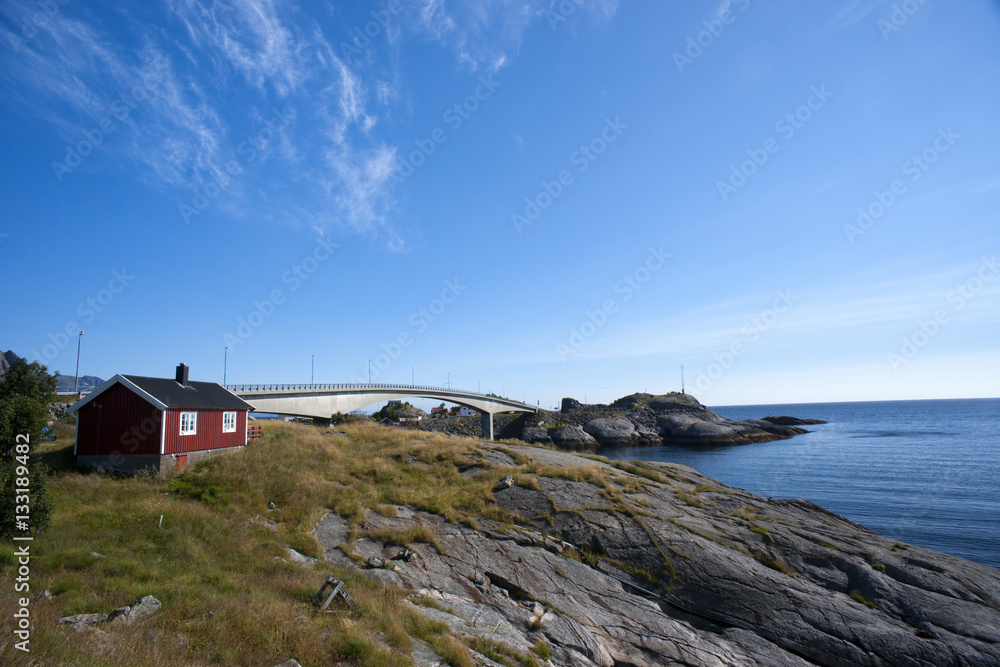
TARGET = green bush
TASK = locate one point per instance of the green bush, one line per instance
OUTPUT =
(25, 392)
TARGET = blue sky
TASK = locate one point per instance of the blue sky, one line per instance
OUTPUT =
(796, 202)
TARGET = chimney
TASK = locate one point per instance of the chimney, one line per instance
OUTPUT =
(182, 374)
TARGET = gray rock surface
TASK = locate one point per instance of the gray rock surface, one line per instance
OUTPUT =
(670, 567)
(78, 621)
(135, 611)
(300, 558)
(644, 419)
(618, 432)
(572, 437)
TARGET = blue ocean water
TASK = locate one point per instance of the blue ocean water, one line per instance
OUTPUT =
(921, 472)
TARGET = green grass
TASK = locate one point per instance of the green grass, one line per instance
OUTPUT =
(690, 500)
(501, 653)
(772, 563)
(212, 554)
(858, 597)
(207, 556)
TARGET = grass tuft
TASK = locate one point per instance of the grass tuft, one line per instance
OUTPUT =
(858, 597)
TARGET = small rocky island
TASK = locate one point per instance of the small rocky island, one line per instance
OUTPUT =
(646, 420)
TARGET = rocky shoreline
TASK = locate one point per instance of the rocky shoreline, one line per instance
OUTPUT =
(646, 420)
(654, 564)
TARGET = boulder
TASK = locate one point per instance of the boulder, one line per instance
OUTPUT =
(78, 621)
(571, 405)
(572, 437)
(618, 432)
(535, 434)
(504, 483)
(135, 611)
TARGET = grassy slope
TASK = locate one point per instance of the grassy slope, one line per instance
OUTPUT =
(206, 557)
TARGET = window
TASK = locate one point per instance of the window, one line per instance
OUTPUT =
(189, 423)
(228, 422)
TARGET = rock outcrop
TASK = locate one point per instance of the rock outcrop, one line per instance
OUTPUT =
(655, 564)
(644, 419)
(130, 614)
(792, 421)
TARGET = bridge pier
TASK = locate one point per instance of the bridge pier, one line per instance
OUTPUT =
(486, 419)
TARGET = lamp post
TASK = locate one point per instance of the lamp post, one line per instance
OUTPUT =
(369, 371)
(312, 378)
(76, 381)
(225, 365)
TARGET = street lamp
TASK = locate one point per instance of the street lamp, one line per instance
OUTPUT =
(76, 381)
(225, 365)
(369, 371)
(312, 379)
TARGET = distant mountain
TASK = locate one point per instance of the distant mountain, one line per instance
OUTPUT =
(7, 359)
(87, 382)
(63, 382)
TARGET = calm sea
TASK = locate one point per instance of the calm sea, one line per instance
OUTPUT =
(921, 472)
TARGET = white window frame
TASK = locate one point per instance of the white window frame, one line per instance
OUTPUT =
(230, 417)
(191, 419)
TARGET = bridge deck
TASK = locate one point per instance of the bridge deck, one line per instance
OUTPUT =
(324, 400)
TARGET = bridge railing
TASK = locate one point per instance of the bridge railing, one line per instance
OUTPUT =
(352, 385)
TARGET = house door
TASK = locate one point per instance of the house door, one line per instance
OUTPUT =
(182, 460)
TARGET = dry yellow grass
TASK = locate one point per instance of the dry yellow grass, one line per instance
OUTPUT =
(207, 557)
(227, 596)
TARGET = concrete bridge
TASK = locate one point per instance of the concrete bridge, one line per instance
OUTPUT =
(324, 400)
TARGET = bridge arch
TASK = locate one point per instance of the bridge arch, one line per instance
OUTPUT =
(323, 400)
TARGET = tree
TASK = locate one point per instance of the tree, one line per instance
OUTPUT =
(25, 392)
(30, 380)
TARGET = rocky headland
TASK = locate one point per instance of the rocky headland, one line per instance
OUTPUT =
(643, 420)
(654, 564)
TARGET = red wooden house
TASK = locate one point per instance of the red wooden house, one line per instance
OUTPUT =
(132, 423)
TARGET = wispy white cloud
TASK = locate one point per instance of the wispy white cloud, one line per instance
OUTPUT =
(251, 37)
(483, 33)
(218, 68)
